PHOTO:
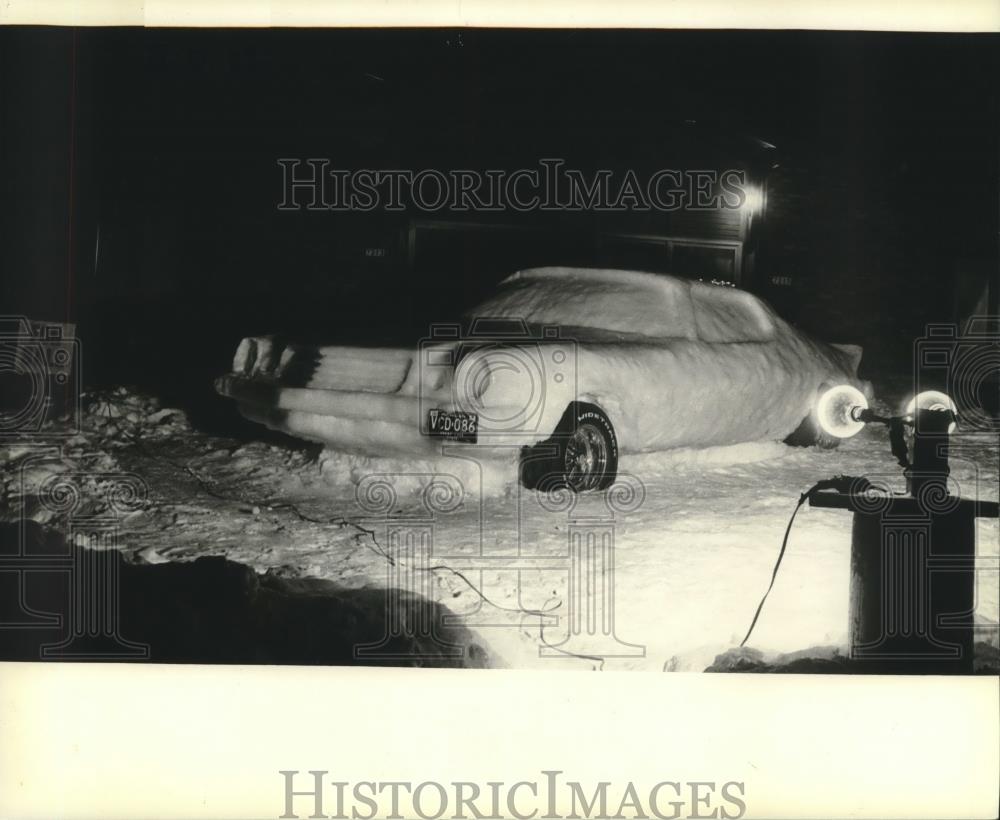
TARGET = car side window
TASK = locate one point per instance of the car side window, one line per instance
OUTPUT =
(726, 315)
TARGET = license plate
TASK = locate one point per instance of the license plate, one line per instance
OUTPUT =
(453, 425)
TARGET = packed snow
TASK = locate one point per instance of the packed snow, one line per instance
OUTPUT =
(695, 532)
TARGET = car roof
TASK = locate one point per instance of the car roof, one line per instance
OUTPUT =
(712, 307)
(641, 279)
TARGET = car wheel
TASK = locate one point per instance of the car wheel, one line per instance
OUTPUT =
(581, 455)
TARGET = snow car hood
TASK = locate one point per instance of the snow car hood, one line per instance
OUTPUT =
(355, 398)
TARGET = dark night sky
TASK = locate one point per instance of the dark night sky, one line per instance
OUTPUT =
(890, 142)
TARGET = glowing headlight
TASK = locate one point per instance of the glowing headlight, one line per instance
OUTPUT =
(837, 408)
(931, 400)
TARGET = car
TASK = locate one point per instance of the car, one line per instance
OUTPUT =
(571, 366)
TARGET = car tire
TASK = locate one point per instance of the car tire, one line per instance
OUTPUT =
(581, 455)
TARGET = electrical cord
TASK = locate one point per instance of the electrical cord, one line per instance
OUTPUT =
(840, 483)
(136, 440)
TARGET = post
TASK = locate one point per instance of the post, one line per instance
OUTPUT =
(913, 588)
(913, 567)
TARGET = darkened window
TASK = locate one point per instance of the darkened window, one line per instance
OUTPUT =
(706, 262)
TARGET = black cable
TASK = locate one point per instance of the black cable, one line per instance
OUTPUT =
(474, 588)
(136, 440)
(774, 574)
(841, 484)
(897, 442)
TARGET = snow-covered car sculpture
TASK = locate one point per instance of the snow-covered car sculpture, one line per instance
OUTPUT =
(571, 366)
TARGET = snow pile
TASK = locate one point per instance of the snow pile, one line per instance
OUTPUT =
(45, 484)
(829, 659)
(817, 660)
(63, 469)
(120, 415)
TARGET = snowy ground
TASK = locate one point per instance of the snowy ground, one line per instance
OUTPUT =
(695, 534)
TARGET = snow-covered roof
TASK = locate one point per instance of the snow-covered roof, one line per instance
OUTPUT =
(631, 302)
(622, 301)
(632, 278)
